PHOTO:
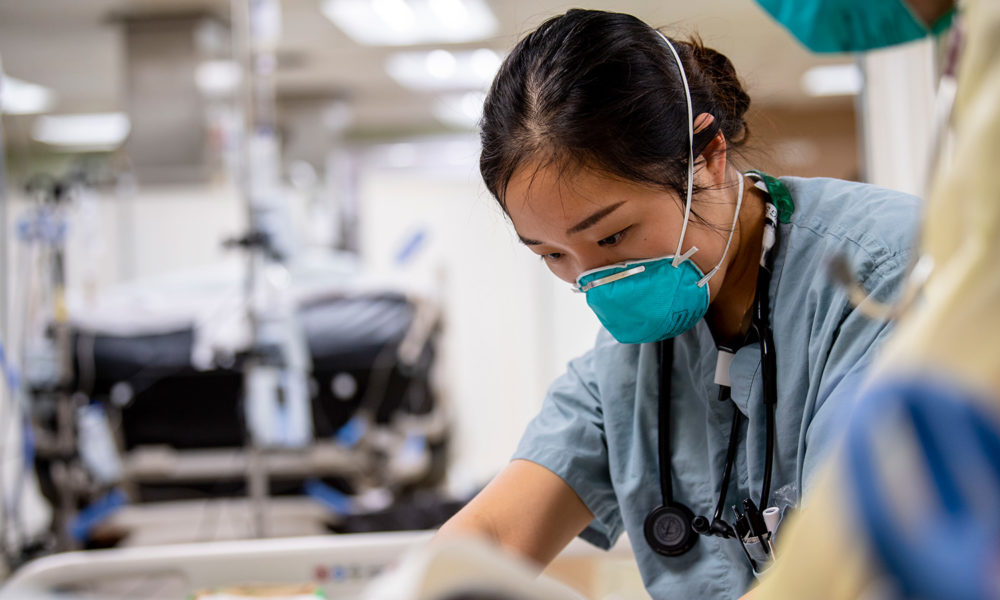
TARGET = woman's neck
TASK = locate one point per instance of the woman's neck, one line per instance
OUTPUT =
(729, 314)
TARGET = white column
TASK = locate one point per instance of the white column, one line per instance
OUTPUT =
(896, 110)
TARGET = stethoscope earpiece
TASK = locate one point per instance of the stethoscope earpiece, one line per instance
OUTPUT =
(716, 527)
(700, 524)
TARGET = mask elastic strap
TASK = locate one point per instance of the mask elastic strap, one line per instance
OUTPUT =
(678, 257)
(686, 255)
(736, 216)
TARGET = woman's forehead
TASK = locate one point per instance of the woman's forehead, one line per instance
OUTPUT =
(546, 186)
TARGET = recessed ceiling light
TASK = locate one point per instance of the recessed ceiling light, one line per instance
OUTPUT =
(833, 80)
(440, 64)
(217, 77)
(410, 22)
(396, 14)
(460, 110)
(485, 63)
(444, 70)
(451, 13)
(18, 97)
(96, 131)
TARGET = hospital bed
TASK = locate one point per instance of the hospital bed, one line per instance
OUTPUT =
(167, 350)
(161, 358)
(340, 567)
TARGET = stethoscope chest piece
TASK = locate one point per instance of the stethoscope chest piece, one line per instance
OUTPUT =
(668, 529)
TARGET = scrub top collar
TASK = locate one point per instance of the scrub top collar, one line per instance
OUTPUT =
(779, 194)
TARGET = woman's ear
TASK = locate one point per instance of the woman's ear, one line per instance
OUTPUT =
(714, 153)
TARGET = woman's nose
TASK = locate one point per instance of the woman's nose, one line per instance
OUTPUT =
(589, 262)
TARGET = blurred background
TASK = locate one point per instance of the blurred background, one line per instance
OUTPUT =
(252, 283)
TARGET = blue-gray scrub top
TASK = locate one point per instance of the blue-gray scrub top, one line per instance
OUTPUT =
(597, 428)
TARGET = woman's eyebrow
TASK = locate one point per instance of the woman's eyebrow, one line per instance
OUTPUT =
(590, 221)
(593, 219)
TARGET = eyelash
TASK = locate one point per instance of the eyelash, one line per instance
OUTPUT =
(611, 240)
(617, 238)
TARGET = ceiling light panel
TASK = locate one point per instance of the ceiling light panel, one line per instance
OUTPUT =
(462, 111)
(439, 70)
(218, 78)
(411, 22)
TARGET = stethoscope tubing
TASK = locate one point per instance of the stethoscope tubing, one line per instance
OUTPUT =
(761, 324)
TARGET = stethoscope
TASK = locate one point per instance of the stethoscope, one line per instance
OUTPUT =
(672, 529)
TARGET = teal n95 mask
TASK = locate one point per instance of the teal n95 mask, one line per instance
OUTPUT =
(653, 299)
(659, 298)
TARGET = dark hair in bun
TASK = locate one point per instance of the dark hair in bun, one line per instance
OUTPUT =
(602, 89)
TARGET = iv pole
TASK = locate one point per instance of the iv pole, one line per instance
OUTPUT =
(248, 104)
(255, 26)
(4, 237)
(4, 242)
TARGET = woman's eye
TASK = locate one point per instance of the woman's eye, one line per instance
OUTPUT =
(611, 240)
(551, 256)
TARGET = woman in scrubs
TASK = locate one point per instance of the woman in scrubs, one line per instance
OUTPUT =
(612, 150)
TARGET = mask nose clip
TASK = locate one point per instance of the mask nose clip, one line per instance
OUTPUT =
(610, 278)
